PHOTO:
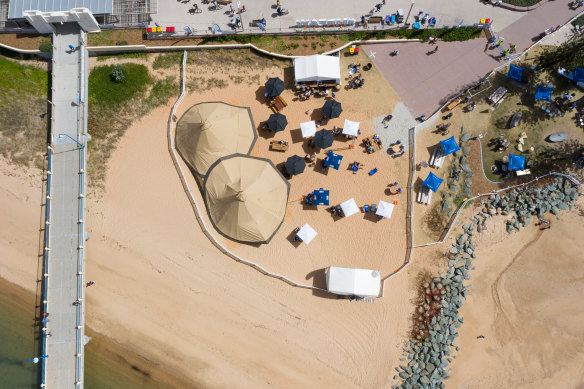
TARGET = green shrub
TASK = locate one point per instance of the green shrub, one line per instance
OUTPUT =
(46, 47)
(118, 74)
(122, 43)
(162, 91)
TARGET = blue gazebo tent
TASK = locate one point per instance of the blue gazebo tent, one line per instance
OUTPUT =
(332, 160)
(543, 93)
(321, 197)
(449, 145)
(432, 182)
(577, 75)
(516, 162)
(515, 73)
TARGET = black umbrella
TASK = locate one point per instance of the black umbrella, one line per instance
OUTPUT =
(332, 109)
(324, 139)
(295, 165)
(277, 122)
(274, 86)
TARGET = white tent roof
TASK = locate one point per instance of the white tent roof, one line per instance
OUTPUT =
(351, 128)
(384, 209)
(317, 68)
(308, 129)
(357, 282)
(349, 207)
(306, 233)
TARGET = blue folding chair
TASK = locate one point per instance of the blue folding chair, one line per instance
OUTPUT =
(372, 172)
(366, 208)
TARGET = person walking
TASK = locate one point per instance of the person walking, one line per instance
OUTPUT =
(481, 337)
(90, 283)
(72, 48)
(436, 49)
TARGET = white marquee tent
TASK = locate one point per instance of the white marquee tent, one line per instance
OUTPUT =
(384, 209)
(306, 233)
(308, 129)
(349, 207)
(351, 128)
(353, 282)
(315, 68)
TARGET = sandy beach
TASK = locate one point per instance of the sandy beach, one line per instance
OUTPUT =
(194, 317)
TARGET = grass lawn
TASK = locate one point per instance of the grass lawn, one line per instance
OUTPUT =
(105, 92)
(23, 108)
(113, 107)
(534, 121)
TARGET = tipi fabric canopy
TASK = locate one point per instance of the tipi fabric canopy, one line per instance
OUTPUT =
(295, 165)
(449, 145)
(209, 131)
(353, 282)
(543, 93)
(332, 109)
(349, 207)
(246, 198)
(351, 128)
(515, 73)
(384, 209)
(315, 68)
(306, 233)
(332, 160)
(274, 86)
(324, 138)
(308, 129)
(432, 182)
(516, 162)
(277, 122)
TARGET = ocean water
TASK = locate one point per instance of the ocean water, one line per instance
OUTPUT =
(103, 368)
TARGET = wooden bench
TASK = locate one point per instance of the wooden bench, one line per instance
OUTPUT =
(375, 19)
(453, 104)
(224, 2)
(277, 146)
(374, 144)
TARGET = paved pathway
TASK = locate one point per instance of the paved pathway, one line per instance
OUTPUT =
(175, 13)
(425, 81)
(64, 364)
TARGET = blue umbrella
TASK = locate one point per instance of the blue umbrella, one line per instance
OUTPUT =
(516, 162)
(321, 197)
(543, 93)
(449, 145)
(333, 160)
(432, 182)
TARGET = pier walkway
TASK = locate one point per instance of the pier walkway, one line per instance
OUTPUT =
(64, 298)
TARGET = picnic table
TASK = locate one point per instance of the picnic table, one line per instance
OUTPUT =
(277, 146)
(424, 195)
(375, 19)
(374, 146)
(498, 95)
(277, 104)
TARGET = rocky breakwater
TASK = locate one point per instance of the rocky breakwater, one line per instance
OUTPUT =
(437, 318)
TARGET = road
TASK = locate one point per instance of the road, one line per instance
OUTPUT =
(64, 364)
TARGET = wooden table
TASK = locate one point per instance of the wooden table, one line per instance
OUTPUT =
(278, 104)
(277, 146)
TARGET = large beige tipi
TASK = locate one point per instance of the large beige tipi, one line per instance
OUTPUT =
(209, 131)
(246, 198)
